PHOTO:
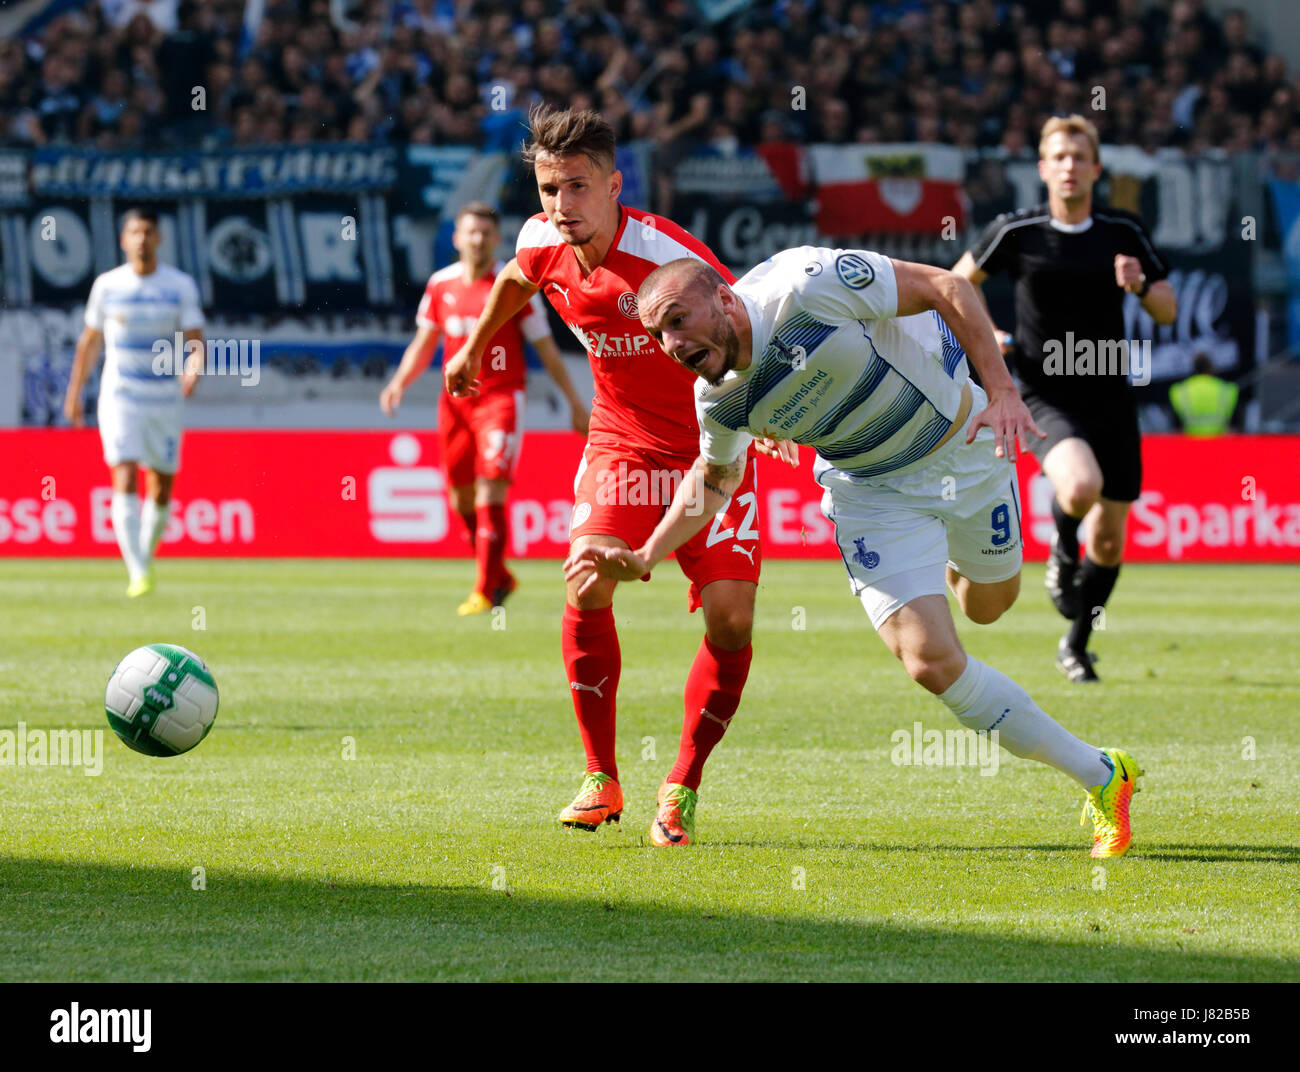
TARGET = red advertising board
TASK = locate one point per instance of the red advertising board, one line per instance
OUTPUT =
(331, 494)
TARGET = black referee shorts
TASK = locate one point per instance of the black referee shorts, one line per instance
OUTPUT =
(1108, 425)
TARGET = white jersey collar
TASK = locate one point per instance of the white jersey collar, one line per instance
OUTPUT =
(1071, 228)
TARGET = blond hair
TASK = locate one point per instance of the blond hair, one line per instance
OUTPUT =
(1071, 125)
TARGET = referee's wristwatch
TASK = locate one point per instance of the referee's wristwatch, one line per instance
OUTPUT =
(1145, 286)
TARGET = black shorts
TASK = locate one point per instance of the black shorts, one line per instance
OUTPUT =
(1108, 425)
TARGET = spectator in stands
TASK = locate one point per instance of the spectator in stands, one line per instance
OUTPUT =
(1204, 402)
(980, 73)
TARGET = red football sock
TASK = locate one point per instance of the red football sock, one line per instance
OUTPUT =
(470, 521)
(592, 660)
(713, 690)
(490, 548)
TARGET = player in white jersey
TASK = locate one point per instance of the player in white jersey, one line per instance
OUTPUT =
(142, 313)
(864, 359)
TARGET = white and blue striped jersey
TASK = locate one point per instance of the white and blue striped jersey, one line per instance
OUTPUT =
(833, 367)
(135, 312)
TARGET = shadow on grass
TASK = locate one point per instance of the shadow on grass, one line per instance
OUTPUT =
(66, 921)
(1275, 854)
(1213, 853)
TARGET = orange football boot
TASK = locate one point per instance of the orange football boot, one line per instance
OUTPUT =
(1109, 805)
(600, 800)
(674, 826)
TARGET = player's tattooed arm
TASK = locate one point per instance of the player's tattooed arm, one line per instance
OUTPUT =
(704, 491)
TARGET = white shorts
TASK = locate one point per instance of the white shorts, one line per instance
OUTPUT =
(147, 434)
(958, 508)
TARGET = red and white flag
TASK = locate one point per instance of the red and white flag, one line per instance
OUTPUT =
(892, 189)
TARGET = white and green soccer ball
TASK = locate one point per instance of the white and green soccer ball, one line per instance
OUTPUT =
(161, 700)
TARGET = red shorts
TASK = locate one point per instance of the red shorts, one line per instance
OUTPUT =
(626, 492)
(480, 436)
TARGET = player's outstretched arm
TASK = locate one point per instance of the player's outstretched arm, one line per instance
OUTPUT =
(704, 491)
(922, 287)
(510, 292)
(415, 359)
(193, 361)
(549, 354)
(89, 346)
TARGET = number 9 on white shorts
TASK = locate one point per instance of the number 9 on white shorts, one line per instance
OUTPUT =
(897, 535)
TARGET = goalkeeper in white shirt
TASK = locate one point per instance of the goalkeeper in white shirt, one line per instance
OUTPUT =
(146, 316)
(864, 359)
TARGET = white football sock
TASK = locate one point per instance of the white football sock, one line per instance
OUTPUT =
(153, 522)
(985, 699)
(126, 526)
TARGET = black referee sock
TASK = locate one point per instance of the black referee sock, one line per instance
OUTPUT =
(1095, 585)
(1067, 531)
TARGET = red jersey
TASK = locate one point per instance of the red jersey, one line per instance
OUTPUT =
(453, 304)
(643, 398)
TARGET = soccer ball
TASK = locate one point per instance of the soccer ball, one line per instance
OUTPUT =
(161, 700)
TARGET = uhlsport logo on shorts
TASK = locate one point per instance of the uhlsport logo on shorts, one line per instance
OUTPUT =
(866, 559)
(580, 514)
(854, 270)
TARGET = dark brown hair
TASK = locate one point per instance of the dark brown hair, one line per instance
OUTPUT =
(479, 208)
(569, 133)
(140, 212)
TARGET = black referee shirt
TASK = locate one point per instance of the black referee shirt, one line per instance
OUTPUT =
(1065, 283)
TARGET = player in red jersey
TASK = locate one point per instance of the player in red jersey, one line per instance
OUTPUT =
(589, 254)
(480, 436)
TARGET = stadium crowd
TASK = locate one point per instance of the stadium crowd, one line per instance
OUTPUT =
(123, 74)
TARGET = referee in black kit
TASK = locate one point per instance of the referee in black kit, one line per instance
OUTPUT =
(1072, 265)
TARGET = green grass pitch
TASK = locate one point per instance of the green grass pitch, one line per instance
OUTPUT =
(433, 854)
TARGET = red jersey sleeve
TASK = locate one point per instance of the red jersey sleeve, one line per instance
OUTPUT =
(536, 244)
(644, 228)
(429, 314)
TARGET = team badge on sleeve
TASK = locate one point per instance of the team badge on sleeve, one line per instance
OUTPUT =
(854, 270)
